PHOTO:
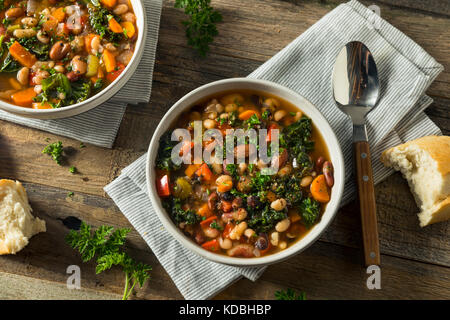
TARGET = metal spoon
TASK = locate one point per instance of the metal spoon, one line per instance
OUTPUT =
(356, 92)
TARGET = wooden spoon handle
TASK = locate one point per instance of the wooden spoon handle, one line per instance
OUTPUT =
(367, 206)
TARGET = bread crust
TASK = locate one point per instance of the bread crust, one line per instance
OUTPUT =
(438, 147)
(441, 212)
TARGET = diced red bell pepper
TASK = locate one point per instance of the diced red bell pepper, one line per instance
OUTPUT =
(205, 223)
(162, 186)
(111, 76)
(228, 229)
(269, 131)
(212, 245)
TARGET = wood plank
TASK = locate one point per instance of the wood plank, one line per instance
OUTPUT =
(15, 287)
(326, 271)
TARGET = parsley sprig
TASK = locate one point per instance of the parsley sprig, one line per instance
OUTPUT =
(106, 244)
(289, 294)
(201, 26)
(55, 150)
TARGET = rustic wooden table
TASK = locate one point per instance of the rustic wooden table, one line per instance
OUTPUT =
(415, 261)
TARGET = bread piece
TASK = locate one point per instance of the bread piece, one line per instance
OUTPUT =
(425, 163)
(17, 224)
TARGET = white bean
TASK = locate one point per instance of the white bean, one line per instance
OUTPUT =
(278, 204)
(249, 233)
(29, 22)
(225, 243)
(59, 68)
(283, 225)
(238, 230)
(38, 88)
(274, 238)
(43, 37)
(22, 75)
(306, 181)
(280, 114)
(282, 245)
(24, 33)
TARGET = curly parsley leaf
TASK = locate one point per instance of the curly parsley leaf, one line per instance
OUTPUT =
(289, 294)
(201, 26)
(55, 150)
(106, 244)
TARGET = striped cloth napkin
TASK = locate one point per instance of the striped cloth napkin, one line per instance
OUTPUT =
(99, 126)
(305, 66)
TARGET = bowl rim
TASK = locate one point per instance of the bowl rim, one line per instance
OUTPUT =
(137, 6)
(283, 92)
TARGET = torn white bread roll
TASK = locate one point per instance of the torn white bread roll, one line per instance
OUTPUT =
(17, 224)
(425, 163)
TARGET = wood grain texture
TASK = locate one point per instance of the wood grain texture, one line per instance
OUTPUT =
(367, 206)
(415, 261)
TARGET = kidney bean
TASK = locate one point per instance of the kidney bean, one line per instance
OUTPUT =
(237, 203)
(59, 50)
(212, 201)
(328, 173)
(319, 163)
(73, 76)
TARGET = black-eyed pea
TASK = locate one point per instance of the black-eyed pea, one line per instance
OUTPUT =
(129, 17)
(14, 13)
(278, 204)
(306, 181)
(240, 214)
(211, 232)
(78, 65)
(283, 225)
(59, 68)
(42, 37)
(22, 76)
(219, 108)
(212, 115)
(280, 114)
(242, 167)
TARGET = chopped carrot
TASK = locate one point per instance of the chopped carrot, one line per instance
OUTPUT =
(110, 61)
(24, 98)
(62, 29)
(50, 26)
(59, 14)
(227, 206)
(204, 172)
(41, 105)
(205, 223)
(109, 3)
(100, 73)
(263, 252)
(225, 186)
(212, 245)
(319, 189)
(190, 170)
(128, 28)
(247, 114)
(114, 26)
(88, 40)
(21, 54)
(15, 84)
(273, 126)
(204, 211)
(94, 79)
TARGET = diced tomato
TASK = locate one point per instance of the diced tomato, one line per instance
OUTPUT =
(223, 128)
(111, 76)
(212, 245)
(187, 146)
(269, 131)
(162, 186)
(204, 172)
(205, 223)
(227, 230)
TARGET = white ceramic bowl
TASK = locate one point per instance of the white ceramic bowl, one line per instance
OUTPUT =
(103, 95)
(268, 87)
